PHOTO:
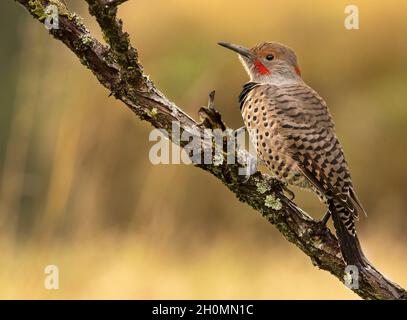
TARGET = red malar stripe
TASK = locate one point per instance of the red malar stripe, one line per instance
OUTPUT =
(260, 67)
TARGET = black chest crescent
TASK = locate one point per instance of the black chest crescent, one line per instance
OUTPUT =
(245, 91)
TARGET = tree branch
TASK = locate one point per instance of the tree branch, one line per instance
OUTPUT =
(117, 68)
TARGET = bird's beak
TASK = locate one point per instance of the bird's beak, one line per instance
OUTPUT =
(239, 49)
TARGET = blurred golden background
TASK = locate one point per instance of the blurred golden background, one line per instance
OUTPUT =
(77, 189)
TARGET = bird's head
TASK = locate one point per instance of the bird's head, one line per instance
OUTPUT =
(268, 62)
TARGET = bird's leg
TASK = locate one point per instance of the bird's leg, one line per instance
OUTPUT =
(326, 217)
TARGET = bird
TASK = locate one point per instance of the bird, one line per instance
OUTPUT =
(294, 135)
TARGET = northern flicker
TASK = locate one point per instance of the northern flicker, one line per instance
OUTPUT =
(293, 132)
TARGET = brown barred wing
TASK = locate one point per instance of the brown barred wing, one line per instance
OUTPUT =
(310, 139)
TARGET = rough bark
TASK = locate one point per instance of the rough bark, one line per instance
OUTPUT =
(117, 68)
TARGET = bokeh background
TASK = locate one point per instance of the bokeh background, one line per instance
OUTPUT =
(77, 189)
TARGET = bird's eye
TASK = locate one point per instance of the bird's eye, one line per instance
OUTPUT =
(269, 57)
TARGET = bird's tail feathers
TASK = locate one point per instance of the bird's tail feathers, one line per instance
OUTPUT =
(348, 240)
(356, 202)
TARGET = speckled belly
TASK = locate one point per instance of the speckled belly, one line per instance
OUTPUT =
(268, 142)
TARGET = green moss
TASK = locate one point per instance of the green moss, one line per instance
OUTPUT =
(153, 112)
(86, 39)
(262, 187)
(37, 9)
(78, 19)
(62, 9)
(273, 202)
